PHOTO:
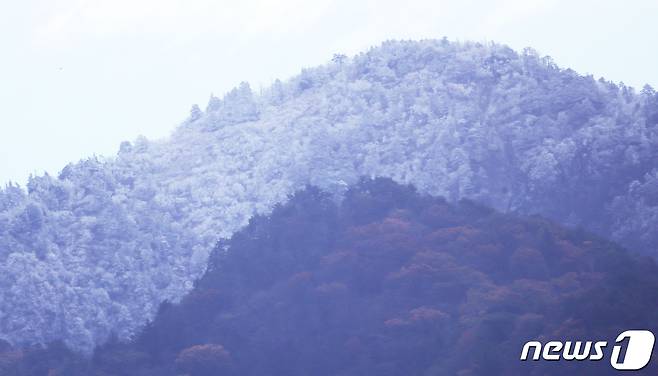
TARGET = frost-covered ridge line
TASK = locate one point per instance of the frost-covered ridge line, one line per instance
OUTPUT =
(98, 248)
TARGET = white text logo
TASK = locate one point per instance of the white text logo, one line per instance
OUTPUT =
(631, 351)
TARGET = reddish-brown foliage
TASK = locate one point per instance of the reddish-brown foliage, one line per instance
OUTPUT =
(204, 359)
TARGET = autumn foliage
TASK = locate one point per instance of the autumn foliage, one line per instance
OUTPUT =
(389, 282)
(199, 360)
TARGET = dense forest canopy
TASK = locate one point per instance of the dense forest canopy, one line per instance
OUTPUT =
(387, 282)
(95, 250)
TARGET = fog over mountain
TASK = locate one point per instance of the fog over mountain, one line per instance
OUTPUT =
(98, 248)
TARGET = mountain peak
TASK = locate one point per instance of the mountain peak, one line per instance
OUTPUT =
(109, 240)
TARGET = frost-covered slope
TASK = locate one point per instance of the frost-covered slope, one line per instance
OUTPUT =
(98, 248)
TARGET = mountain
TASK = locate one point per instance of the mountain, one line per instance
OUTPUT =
(386, 282)
(95, 250)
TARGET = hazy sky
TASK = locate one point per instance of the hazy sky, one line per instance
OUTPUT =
(77, 77)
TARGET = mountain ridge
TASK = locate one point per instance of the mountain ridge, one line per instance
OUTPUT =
(108, 240)
(384, 282)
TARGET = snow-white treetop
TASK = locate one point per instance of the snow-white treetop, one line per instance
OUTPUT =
(97, 249)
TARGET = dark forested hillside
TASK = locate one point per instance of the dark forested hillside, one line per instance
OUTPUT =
(388, 282)
(95, 250)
